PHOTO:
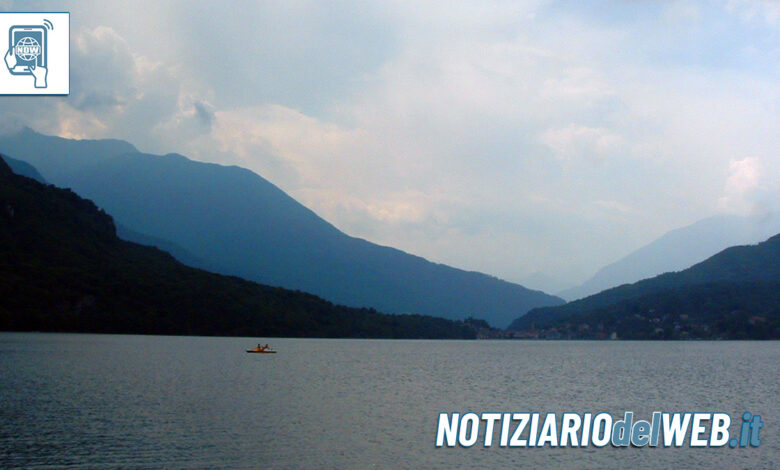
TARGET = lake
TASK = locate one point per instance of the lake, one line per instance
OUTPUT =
(85, 401)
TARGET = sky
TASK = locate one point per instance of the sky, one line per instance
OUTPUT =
(511, 138)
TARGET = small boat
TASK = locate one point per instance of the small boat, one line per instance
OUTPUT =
(261, 350)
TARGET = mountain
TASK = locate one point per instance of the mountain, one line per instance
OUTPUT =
(243, 225)
(544, 282)
(62, 268)
(181, 255)
(734, 294)
(23, 168)
(678, 249)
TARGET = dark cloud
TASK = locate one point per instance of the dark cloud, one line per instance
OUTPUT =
(95, 101)
(204, 114)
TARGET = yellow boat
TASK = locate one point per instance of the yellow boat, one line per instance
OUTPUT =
(261, 349)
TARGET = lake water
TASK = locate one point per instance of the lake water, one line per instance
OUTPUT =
(189, 402)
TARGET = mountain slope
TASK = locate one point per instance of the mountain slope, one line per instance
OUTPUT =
(62, 268)
(181, 255)
(741, 280)
(243, 225)
(679, 249)
(23, 168)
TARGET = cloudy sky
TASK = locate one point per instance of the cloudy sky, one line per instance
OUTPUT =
(505, 137)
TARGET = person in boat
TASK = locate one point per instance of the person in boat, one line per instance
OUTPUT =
(261, 348)
(265, 347)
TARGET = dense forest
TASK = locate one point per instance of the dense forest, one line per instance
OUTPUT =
(62, 268)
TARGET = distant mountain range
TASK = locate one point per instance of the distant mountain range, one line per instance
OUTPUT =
(62, 268)
(544, 282)
(679, 249)
(734, 294)
(230, 220)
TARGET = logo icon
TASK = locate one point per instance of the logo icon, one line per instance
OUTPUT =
(37, 56)
(27, 52)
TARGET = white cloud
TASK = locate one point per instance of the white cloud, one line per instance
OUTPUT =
(751, 10)
(742, 186)
(683, 11)
(573, 142)
(745, 175)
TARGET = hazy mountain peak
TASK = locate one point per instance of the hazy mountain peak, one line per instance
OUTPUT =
(719, 295)
(679, 249)
(57, 158)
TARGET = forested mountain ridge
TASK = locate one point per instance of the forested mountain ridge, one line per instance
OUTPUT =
(62, 268)
(240, 224)
(733, 294)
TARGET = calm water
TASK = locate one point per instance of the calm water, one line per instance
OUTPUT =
(143, 401)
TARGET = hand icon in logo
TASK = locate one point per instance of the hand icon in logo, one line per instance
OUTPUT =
(40, 74)
(10, 59)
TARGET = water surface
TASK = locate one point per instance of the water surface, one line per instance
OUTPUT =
(90, 401)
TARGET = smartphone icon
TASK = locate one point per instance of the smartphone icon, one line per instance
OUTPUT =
(29, 46)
